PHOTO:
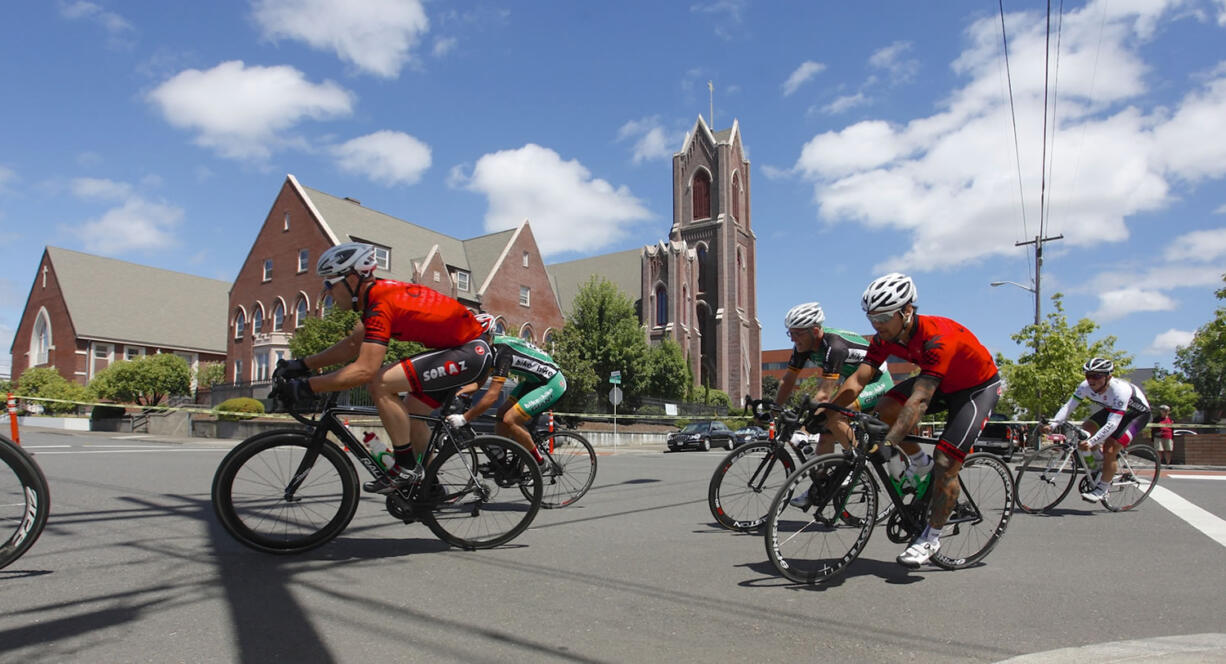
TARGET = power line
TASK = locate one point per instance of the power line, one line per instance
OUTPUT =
(1017, 153)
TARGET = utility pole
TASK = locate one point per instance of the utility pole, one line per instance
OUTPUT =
(1038, 271)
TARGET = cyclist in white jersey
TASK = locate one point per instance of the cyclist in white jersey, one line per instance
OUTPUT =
(1124, 413)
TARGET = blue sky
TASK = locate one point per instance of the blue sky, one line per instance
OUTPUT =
(880, 139)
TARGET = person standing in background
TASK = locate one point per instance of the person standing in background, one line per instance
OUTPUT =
(1164, 436)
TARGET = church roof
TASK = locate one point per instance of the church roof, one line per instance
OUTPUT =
(110, 299)
(622, 268)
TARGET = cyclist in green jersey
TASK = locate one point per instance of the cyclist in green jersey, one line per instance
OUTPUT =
(540, 385)
(837, 353)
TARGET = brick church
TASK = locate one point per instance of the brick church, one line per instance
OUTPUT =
(697, 287)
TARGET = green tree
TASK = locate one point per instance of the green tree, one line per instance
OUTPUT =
(318, 334)
(601, 335)
(667, 374)
(145, 380)
(1168, 389)
(47, 383)
(1045, 375)
(770, 387)
(1203, 362)
(209, 374)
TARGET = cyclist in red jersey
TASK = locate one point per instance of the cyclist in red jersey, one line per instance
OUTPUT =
(956, 374)
(405, 312)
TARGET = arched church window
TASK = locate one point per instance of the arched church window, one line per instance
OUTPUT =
(736, 196)
(702, 195)
(661, 306)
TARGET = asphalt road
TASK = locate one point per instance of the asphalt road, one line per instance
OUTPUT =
(133, 567)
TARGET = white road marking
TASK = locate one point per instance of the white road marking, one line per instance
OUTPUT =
(1196, 517)
(42, 447)
(1194, 477)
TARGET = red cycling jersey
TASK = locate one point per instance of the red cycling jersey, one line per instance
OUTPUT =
(409, 312)
(943, 349)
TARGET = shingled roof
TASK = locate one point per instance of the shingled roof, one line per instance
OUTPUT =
(622, 268)
(110, 299)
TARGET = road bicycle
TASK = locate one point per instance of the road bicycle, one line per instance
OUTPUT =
(817, 544)
(25, 501)
(569, 468)
(1047, 474)
(289, 491)
(747, 478)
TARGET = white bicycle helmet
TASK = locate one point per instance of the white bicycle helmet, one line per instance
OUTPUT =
(339, 261)
(1098, 365)
(805, 315)
(487, 322)
(893, 291)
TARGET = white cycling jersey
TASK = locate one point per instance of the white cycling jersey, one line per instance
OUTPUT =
(1119, 398)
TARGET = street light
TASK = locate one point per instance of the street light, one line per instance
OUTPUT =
(1024, 287)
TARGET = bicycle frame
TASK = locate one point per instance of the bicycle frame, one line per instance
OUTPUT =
(330, 420)
(909, 518)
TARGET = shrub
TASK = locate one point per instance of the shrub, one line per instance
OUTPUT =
(107, 412)
(47, 383)
(240, 408)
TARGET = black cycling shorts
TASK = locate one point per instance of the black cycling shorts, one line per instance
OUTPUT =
(1132, 422)
(969, 410)
(435, 373)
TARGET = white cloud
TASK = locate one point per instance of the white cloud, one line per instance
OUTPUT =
(135, 225)
(118, 29)
(1198, 246)
(1169, 341)
(803, 74)
(1222, 209)
(240, 111)
(443, 46)
(844, 103)
(891, 59)
(1119, 303)
(387, 157)
(651, 139)
(6, 340)
(568, 209)
(374, 35)
(132, 223)
(949, 180)
(101, 188)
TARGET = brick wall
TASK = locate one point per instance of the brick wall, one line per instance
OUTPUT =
(1206, 449)
(63, 353)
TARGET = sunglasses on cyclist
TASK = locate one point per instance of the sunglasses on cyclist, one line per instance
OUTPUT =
(1096, 376)
(881, 318)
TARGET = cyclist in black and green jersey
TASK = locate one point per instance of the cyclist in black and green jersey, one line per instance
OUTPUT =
(837, 353)
(540, 385)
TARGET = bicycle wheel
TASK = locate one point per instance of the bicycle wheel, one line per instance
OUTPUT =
(1045, 478)
(817, 544)
(569, 470)
(981, 515)
(25, 501)
(1136, 474)
(249, 493)
(483, 506)
(745, 482)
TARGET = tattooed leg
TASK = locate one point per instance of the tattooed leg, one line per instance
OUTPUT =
(944, 489)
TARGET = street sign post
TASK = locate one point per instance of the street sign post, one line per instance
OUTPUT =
(615, 398)
(615, 377)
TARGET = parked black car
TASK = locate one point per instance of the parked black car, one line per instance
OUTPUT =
(704, 435)
(750, 434)
(1000, 438)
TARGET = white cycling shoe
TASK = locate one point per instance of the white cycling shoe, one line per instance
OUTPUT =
(918, 553)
